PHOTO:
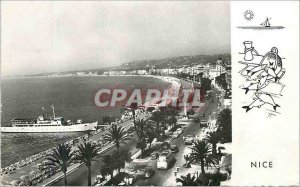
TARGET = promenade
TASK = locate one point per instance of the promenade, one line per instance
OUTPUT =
(161, 177)
(77, 173)
(32, 169)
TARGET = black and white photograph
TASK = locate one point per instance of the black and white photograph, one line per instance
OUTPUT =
(133, 93)
(115, 93)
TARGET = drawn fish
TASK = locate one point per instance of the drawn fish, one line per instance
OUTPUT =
(260, 100)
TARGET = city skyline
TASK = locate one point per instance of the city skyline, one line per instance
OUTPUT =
(43, 37)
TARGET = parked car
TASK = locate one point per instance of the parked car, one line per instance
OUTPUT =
(154, 155)
(149, 172)
(182, 125)
(203, 123)
(190, 112)
(169, 133)
(197, 119)
(188, 140)
(164, 159)
(180, 130)
(176, 134)
(174, 149)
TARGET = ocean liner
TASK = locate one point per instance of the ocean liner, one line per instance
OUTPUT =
(47, 125)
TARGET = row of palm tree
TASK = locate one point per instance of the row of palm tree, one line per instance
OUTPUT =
(63, 156)
(204, 153)
(149, 129)
(166, 115)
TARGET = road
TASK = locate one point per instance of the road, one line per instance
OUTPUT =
(167, 177)
(79, 176)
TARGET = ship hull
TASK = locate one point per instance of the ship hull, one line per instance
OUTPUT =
(54, 129)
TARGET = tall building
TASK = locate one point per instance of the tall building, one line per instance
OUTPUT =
(228, 76)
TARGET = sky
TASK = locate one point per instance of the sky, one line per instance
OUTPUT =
(45, 36)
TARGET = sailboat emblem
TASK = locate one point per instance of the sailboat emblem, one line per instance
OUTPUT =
(266, 23)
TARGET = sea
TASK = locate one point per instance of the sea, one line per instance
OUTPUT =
(72, 97)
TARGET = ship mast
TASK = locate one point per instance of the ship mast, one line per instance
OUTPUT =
(52, 106)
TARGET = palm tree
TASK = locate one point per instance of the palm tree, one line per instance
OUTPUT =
(86, 154)
(143, 128)
(150, 135)
(61, 158)
(172, 121)
(213, 138)
(187, 180)
(142, 146)
(117, 135)
(120, 158)
(225, 124)
(201, 152)
(170, 111)
(109, 166)
(157, 117)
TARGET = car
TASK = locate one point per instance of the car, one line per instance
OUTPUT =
(164, 159)
(154, 155)
(180, 130)
(197, 119)
(176, 134)
(202, 114)
(182, 125)
(203, 123)
(189, 139)
(174, 149)
(149, 172)
(211, 100)
(169, 133)
(190, 112)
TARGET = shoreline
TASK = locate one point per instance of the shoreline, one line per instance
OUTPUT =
(172, 81)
